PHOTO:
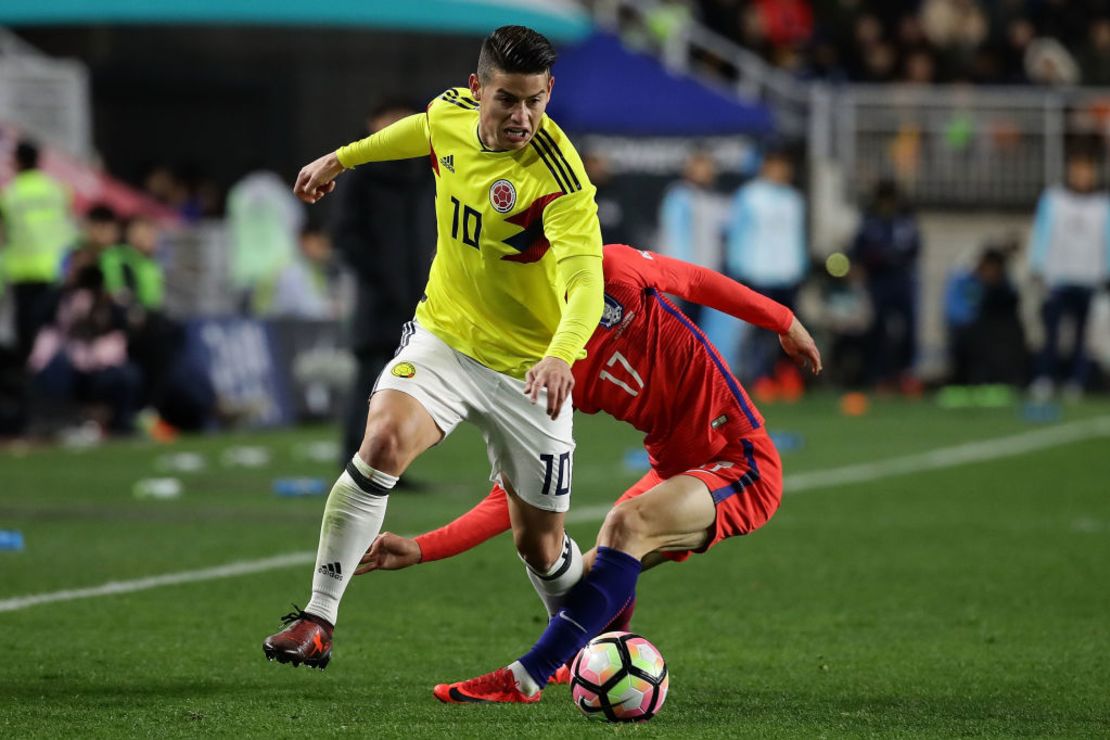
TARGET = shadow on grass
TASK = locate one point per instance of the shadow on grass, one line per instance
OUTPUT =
(105, 690)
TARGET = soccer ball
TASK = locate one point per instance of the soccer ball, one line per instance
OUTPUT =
(619, 677)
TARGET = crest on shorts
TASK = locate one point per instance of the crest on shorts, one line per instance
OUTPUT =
(613, 312)
(502, 196)
(404, 370)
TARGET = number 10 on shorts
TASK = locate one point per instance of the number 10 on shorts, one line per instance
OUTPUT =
(562, 475)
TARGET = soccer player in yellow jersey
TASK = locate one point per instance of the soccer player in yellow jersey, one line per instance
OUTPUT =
(514, 293)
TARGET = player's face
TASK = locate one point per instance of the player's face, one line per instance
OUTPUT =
(512, 107)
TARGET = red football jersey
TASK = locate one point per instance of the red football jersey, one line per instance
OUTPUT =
(648, 364)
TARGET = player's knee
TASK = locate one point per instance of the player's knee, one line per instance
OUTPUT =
(539, 552)
(384, 446)
(625, 525)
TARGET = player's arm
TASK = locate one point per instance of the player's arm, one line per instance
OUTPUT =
(710, 288)
(700, 285)
(571, 225)
(393, 552)
(584, 281)
(402, 139)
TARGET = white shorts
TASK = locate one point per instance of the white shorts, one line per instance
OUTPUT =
(528, 451)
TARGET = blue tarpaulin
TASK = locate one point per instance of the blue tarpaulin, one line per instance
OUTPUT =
(603, 88)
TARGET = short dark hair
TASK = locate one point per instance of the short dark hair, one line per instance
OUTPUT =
(516, 50)
(992, 256)
(887, 189)
(1084, 154)
(778, 152)
(26, 155)
(101, 213)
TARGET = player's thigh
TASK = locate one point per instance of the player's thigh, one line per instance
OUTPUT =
(529, 451)
(752, 489)
(677, 514)
(420, 396)
(745, 484)
(398, 429)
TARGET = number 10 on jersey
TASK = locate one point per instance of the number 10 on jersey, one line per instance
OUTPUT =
(471, 223)
(558, 467)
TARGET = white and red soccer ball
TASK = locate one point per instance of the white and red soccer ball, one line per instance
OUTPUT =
(619, 677)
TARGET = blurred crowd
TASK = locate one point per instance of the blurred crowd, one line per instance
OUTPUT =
(88, 332)
(865, 301)
(86, 336)
(91, 336)
(1055, 42)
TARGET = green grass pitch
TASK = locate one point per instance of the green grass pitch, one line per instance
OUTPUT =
(970, 600)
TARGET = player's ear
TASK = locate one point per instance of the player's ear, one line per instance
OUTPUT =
(550, 84)
(475, 86)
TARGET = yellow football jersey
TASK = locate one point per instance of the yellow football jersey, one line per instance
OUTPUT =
(504, 221)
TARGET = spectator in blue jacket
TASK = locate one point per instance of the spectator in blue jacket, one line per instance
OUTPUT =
(985, 336)
(886, 248)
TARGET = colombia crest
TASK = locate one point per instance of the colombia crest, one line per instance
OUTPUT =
(502, 196)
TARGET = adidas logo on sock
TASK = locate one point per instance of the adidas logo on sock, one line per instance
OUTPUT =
(331, 569)
(448, 162)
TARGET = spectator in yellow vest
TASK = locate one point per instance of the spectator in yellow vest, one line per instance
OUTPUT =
(132, 275)
(38, 231)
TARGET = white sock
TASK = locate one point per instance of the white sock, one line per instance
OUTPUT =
(352, 519)
(552, 585)
(524, 681)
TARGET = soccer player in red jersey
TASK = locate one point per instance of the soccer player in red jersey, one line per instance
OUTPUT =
(714, 470)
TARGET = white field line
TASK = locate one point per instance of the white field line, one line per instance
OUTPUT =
(944, 457)
(237, 568)
(948, 457)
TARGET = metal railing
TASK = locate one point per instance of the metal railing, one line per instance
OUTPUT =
(947, 146)
(955, 146)
(689, 47)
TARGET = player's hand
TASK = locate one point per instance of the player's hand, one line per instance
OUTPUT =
(389, 552)
(554, 375)
(317, 179)
(800, 346)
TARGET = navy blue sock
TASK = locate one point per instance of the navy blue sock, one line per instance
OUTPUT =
(590, 605)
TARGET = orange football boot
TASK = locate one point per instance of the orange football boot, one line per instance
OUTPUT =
(498, 687)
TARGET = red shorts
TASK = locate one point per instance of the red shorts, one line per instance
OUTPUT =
(745, 480)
